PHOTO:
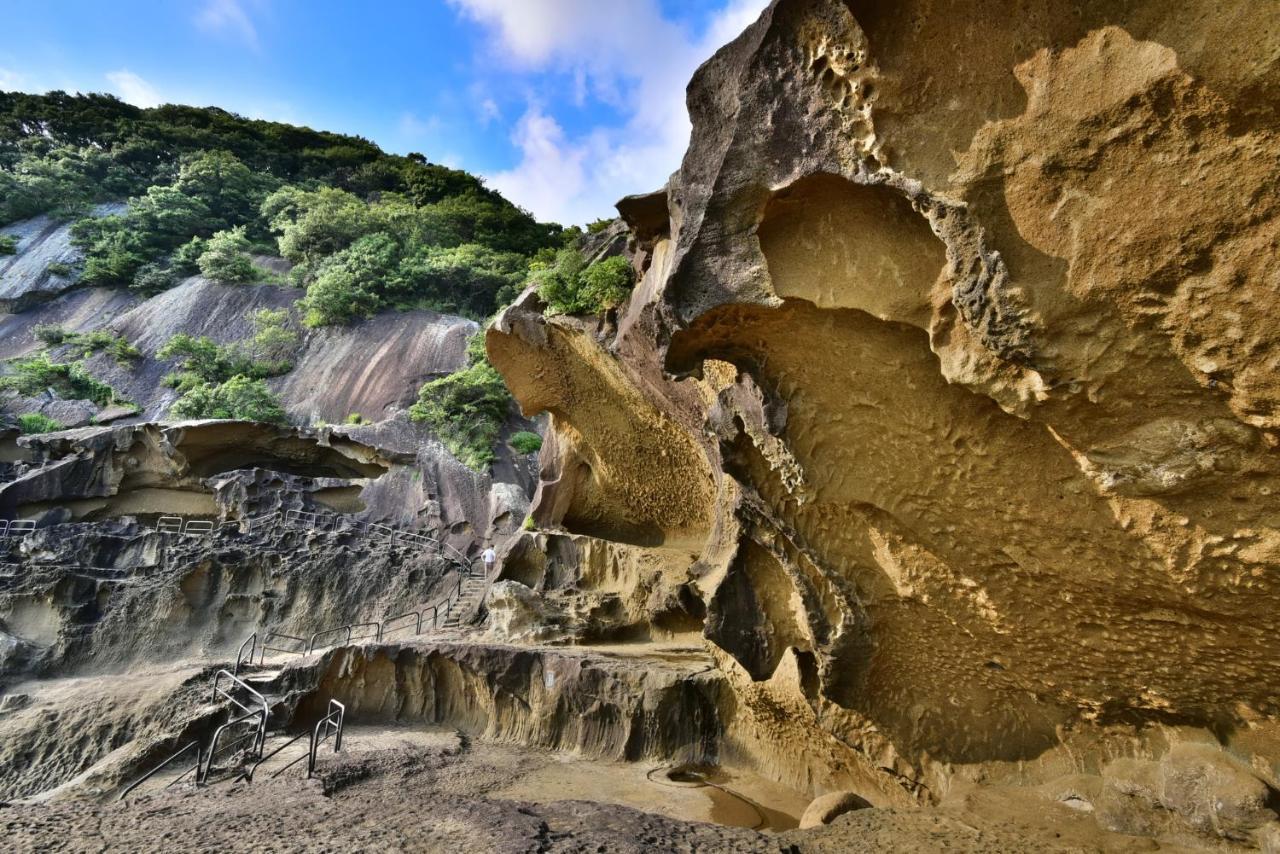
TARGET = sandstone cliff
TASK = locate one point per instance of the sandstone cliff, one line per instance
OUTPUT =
(948, 398)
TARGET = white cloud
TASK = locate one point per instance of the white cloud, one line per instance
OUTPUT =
(11, 80)
(228, 16)
(629, 57)
(489, 111)
(132, 88)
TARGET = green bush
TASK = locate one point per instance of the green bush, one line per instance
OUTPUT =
(240, 397)
(569, 286)
(347, 285)
(226, 258)
(8, 244)
(153, 278)
(525, 442)
(34, 422)
(203, 360)
(357, 418)
(274, 338)
(466, 409)
(57, 268)
(117, 346)
(69, 380)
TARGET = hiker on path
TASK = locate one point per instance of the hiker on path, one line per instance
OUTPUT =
(490, 557)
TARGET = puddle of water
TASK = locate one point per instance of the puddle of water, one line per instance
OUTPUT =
(711, 795)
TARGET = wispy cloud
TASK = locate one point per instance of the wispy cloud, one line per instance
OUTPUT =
(228, 17)
(630, 57)
(132, 88)
(10, 79)
(414, 128)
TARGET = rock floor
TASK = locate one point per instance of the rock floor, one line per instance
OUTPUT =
(420, 789)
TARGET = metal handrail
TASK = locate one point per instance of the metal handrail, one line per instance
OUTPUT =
(252, 643)
(417, 628)
(312, 645)
(253, 769)
(316, 738)
(203, 777)
(266, 645)
(147, 776)
(377, 632)
(265, 710)
(20, 527)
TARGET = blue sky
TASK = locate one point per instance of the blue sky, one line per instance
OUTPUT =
(563, 105)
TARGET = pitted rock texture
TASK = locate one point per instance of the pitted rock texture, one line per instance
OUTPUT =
(975, 308)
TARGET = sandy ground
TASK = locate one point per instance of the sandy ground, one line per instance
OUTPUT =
(416, 789)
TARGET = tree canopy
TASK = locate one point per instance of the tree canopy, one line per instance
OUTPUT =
(206, 188)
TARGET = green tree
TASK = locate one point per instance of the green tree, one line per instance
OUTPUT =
(230, 191)
(274, 338)
(569, 286)
(470, 279)
(348, 284)
(466, 409)
(240, 397)
(226, 258)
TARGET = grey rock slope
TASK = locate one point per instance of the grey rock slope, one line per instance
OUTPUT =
(372, 367)
(25, 279)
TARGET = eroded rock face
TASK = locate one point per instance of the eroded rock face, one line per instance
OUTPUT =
(975, 309)
(163, 469)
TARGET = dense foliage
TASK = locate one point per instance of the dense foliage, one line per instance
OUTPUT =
(570, 286)
(35, 422)
(239, 397)
(228, 380)
(8, 244)
(71, 381)
(207, 188)
(525, 442)
(466, 409)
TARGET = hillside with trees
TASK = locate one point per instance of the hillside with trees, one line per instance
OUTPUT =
(207, 190)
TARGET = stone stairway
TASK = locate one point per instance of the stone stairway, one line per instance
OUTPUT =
(474, 588)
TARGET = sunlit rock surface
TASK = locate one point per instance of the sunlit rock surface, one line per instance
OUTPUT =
(973, 459)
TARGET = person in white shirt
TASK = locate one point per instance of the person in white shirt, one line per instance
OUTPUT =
(490, 557)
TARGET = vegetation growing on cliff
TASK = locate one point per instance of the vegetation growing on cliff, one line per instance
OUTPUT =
(69, 380)
(525, 442)
(88, 343)
(466, 409)
(570, 286)
(206, 188)
(35, 422)
(240, 397)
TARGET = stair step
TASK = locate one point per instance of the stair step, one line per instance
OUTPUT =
(262, 676)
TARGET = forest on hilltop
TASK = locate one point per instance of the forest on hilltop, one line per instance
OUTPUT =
(207, 190)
